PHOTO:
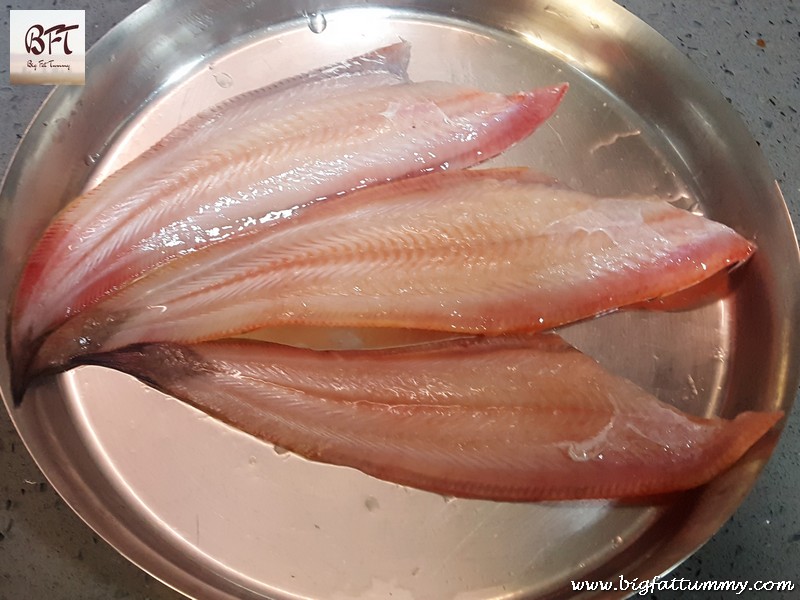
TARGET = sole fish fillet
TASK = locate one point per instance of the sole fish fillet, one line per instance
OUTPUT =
(485, 251)
(512, 418)
(336, 206)
(97, 226)
(254, 161)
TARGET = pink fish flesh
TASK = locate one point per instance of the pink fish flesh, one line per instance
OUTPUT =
(234, 173)
(511, 418)
(485, 251)
(92, 221)
(99, 227)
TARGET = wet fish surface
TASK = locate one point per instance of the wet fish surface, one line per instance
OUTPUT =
(510, 418)
(254, 161)
(477, 251)
(345, 202)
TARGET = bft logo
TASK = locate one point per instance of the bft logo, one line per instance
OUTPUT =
(48, 47)
(37, 35)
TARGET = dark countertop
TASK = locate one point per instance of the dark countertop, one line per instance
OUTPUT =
(749, 50)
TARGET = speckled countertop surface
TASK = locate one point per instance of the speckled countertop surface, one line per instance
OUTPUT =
(748, 49)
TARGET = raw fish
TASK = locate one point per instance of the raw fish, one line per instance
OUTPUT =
(226, 227)
(62, 273)
(511, 418)
(479, 252)
(251, 163)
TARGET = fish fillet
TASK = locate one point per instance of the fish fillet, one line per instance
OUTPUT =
(63, 272)
(253, 162)
(485, 251)
(510, 418)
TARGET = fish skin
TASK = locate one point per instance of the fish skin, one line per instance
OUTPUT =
(261, 175)
(511, 418)
(475, 251)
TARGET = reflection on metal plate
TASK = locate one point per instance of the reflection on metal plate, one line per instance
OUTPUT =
(217, 514)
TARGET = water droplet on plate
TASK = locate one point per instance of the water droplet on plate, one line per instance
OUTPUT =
(90, 159)
(316, 21)
(617, 541)
(555, 12)
(692, 385)
(280, 450)
(371, 503)
(223, 80)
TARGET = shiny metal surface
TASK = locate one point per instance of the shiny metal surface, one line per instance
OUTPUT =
(216, 514)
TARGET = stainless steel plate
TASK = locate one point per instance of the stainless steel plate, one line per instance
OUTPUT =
(217, 514)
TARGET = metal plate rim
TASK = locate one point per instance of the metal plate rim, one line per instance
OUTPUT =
(144, 556)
